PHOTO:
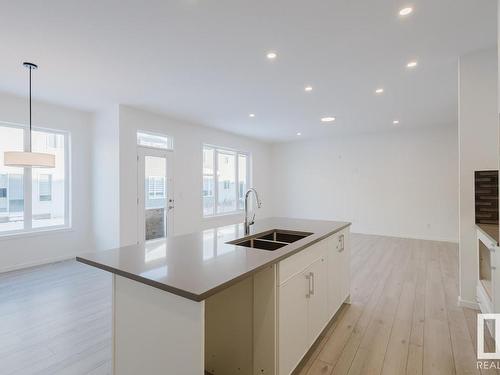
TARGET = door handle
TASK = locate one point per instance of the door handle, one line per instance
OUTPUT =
(308, 277)
(312, 284)
(341, 243)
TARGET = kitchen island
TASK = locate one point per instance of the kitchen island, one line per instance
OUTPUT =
(225, 303)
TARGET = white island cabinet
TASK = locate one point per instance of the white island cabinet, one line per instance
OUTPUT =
(313, 284)
(223, 303)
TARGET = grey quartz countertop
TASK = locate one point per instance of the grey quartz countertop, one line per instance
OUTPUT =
(200, 264)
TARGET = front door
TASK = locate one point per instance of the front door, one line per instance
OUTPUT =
(155, 193)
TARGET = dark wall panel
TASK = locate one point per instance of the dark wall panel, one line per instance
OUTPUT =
(486, 196)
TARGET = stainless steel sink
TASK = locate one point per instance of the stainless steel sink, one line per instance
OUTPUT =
(270, 240)
(261, 244)
(284, 236)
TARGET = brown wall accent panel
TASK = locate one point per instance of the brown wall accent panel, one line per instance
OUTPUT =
(486, 196)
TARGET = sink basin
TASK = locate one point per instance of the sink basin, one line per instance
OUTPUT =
(261, 244)
(270, 240)
(284, 236)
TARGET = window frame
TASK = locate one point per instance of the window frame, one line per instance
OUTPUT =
(215, 176)
(28, 229)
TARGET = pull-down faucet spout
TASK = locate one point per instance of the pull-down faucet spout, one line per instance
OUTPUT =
(259, 204)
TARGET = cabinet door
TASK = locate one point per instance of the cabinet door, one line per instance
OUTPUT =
(292, 325)
(318, 299)
(334, 275)
(345, 266)
(495, 285)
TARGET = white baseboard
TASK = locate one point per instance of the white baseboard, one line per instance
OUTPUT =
(17, 267)
(409, 236)
(469, 304)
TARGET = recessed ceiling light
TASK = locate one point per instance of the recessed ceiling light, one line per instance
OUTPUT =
(251, 115)
(271, 55)
(405, 11)
(379, 91)
(396, 122)
(412, 64)
(308, 88)
(299, 133)
(327, 119)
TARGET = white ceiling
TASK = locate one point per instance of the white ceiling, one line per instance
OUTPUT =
(205, 60)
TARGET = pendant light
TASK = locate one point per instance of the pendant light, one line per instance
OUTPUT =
(28, 158)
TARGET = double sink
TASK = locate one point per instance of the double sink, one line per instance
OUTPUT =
(270, 240)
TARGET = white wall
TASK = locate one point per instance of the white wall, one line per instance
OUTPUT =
(478, 148)
(188, 141)
(23, 250)
(401, 183)
(106, 179)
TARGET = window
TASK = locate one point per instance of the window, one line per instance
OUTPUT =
(154, 140)
(12, 214)
(49, 190)
(226, 184)
(45, 187)
(208, 181)
(225, 180)
(242, 179)
(42, 202)
(4, 181)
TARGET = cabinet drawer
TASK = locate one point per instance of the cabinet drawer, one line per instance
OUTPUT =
(303, 259)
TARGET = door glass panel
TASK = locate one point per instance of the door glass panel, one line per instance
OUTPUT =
(155, 197)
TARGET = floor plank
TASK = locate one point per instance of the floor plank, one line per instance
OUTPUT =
(415, 359)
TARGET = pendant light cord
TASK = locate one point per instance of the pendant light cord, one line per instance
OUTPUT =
(30, 66)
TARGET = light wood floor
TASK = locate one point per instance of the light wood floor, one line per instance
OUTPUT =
(55, 319)
(403, 319)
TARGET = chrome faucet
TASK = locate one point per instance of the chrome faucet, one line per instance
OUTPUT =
(259, 204)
